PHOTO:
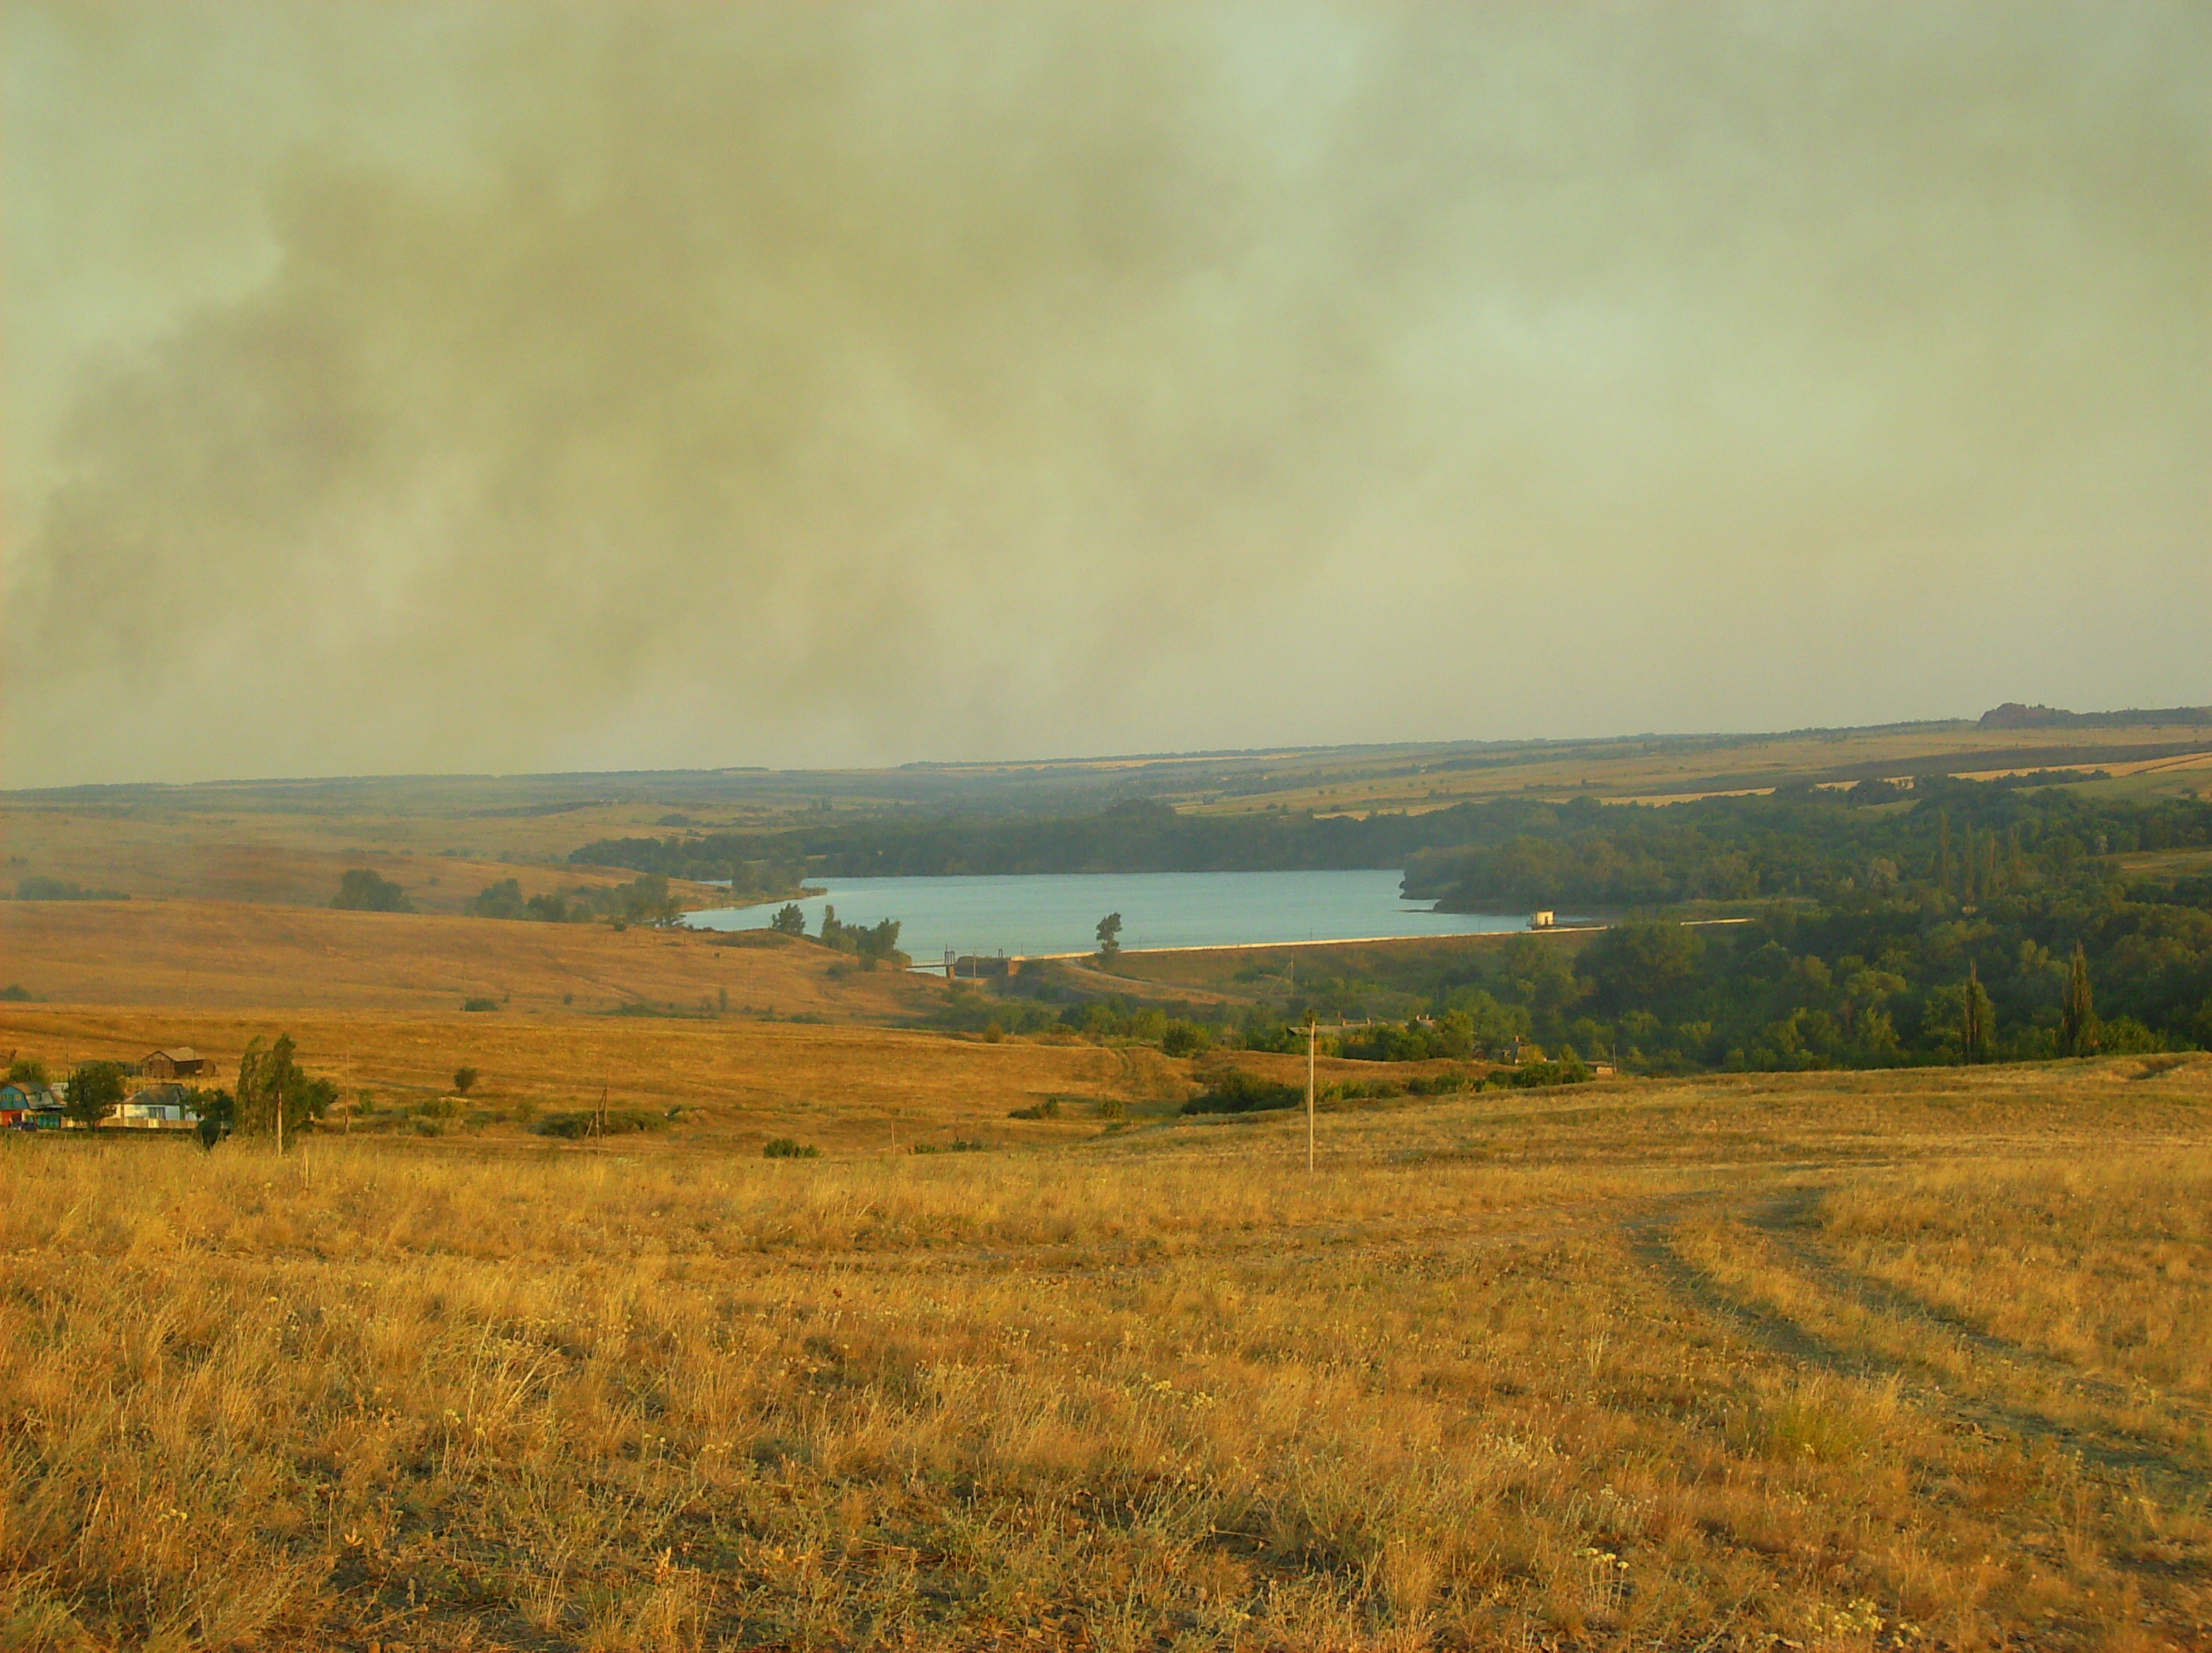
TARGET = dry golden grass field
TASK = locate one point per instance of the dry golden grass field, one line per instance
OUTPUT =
(1823, 1362)
(230, 955)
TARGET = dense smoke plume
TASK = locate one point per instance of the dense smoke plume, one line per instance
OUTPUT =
(434, 386)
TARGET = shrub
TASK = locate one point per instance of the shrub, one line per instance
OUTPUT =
(500, 900)
(2124, 1035)
(958, 1145)
(479, 1004)
(463, 1079)
(1237, 1092)
(1048, 1108)
(784, 1147)
(15, 993)
(1181, 1039)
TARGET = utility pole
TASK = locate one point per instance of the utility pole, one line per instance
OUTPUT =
(1312, 1031)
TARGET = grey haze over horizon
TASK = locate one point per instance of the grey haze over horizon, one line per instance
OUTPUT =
(438, 388)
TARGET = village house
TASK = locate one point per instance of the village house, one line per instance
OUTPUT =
(159, 1108)
(29, 1108)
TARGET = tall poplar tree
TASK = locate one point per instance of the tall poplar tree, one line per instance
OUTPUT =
(2077, 1014)
(1977, 1019)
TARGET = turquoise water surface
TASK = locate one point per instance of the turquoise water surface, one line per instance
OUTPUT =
(1058, 912)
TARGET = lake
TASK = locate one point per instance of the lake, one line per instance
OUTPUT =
(1059, 912)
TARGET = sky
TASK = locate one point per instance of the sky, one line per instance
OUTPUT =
(523, 386)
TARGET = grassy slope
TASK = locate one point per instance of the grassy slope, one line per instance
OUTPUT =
(210, 954)
(1857, 1360)
(1656, 770)
(846, 1089)
(298, 859)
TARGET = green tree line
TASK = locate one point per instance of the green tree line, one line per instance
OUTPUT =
(1959, 841)
(1133, 836)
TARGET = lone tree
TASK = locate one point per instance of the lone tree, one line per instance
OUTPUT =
(2077, 1014)
(363, 891)
(1977, 1019)
(270, 1083)
(463, 1079)
(789, 919)
(1109, 935)
(95, 1090)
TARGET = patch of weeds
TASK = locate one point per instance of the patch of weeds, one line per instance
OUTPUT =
(618, 1121)
(646, 1007)
(1532, 1074)
(785, 1147)
(1363, 1091)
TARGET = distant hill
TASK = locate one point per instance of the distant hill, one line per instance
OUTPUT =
(2013, 715)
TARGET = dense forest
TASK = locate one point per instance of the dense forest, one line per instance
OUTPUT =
(1962, 921)
(1883, 985)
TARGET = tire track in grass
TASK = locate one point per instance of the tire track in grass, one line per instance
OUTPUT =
(1769, 1328)
(1785, 1221)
